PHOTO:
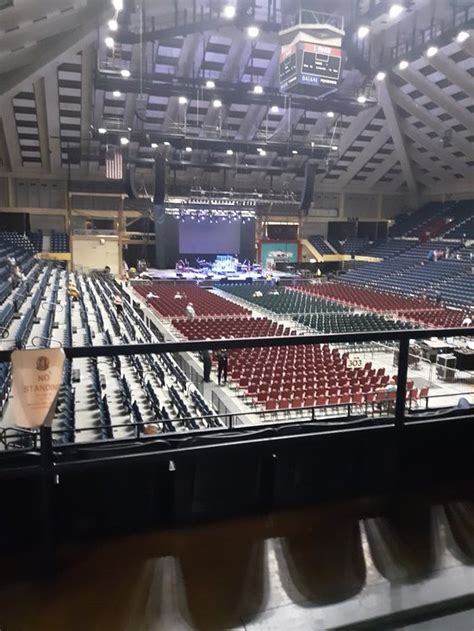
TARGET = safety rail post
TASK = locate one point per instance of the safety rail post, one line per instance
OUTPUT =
(46, 497)
(402, 374)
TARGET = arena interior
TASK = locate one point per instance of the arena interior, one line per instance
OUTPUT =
(248, 227)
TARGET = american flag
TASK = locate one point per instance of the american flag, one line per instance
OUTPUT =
(113, 163)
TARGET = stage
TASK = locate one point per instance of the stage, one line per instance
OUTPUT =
(172, 274)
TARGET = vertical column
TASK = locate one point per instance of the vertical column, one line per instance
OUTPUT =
(120, 236)
(342, 200)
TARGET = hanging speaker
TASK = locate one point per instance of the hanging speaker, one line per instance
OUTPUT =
(130, 183)
(160, 179)
(308, 187)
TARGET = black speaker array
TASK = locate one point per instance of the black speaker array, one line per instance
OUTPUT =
(308, 187)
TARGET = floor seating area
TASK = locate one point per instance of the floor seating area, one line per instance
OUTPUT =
(350, 322)
(204, 302)
(420, 310)
(217, 327)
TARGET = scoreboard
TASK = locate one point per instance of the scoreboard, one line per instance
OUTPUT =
(320, 65)
(308, 64)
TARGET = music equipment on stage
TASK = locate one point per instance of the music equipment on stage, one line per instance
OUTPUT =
(308, 187)
(446, 367)
(464, 358)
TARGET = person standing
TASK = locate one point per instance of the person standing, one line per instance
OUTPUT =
(190, 312)
(222, 365)
(207, 365)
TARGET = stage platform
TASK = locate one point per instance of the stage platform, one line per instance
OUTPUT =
(172, 274)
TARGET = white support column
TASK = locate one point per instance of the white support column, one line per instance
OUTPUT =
(433, 122)
(364, 156)
(87, 87)
(398, 139)
(11, 135)
(453, 72)
(52, 114)
(42, 118)
(439, 96)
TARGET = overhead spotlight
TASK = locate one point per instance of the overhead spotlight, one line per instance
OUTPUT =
(330, 114)
(116, 93)
(403, 65)
(253, 31)
(334, 147)
(217, 103)
(294, 152)
(361, 99)
(229, 152)
(395, 10)
(274, 109)
(380, 76)
(154, 145)
(431, 52)
(210, 85)
(229, 12)
(102, 130)
(188, 149)
(118, 5)
(462, 36)
(362, 32)
(261, 151)
(182, 100)
(113, 25)
(125, 73)
(166, 143)
(258, 89)
(109, 42)
(124, 140)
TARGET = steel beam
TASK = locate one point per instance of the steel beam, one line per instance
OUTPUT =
(398, 139)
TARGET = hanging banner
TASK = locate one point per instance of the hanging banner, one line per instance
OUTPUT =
(36, 378)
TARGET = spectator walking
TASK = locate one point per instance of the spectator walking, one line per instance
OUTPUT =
(118, 302)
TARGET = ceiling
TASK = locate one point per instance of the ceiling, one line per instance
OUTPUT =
(59, 83)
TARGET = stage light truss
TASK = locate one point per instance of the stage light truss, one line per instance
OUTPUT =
(185, 211)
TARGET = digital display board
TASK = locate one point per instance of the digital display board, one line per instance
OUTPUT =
(320, 65)
(288, 65)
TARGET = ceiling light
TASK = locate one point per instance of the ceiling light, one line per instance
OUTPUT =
(362, 32)
(166, 143)
(431, 52)
(116, 93)
(395, 10)
(109, 42)
(294, 152)
(330, 114)
(361, 99)
(125, 73)
(117, 4)
(217, 103)
(403, 64)
(229, 12)
(258, 89)
(274, 109)
(182, 100)
(210, 84)
(124, 140)
(188, 149)
(380, 76)
(113, 25)
(462, 36)
(253, 31)
(102, 130)
(261, 151)
(334, 147)
(154, 145)
(229, 152)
